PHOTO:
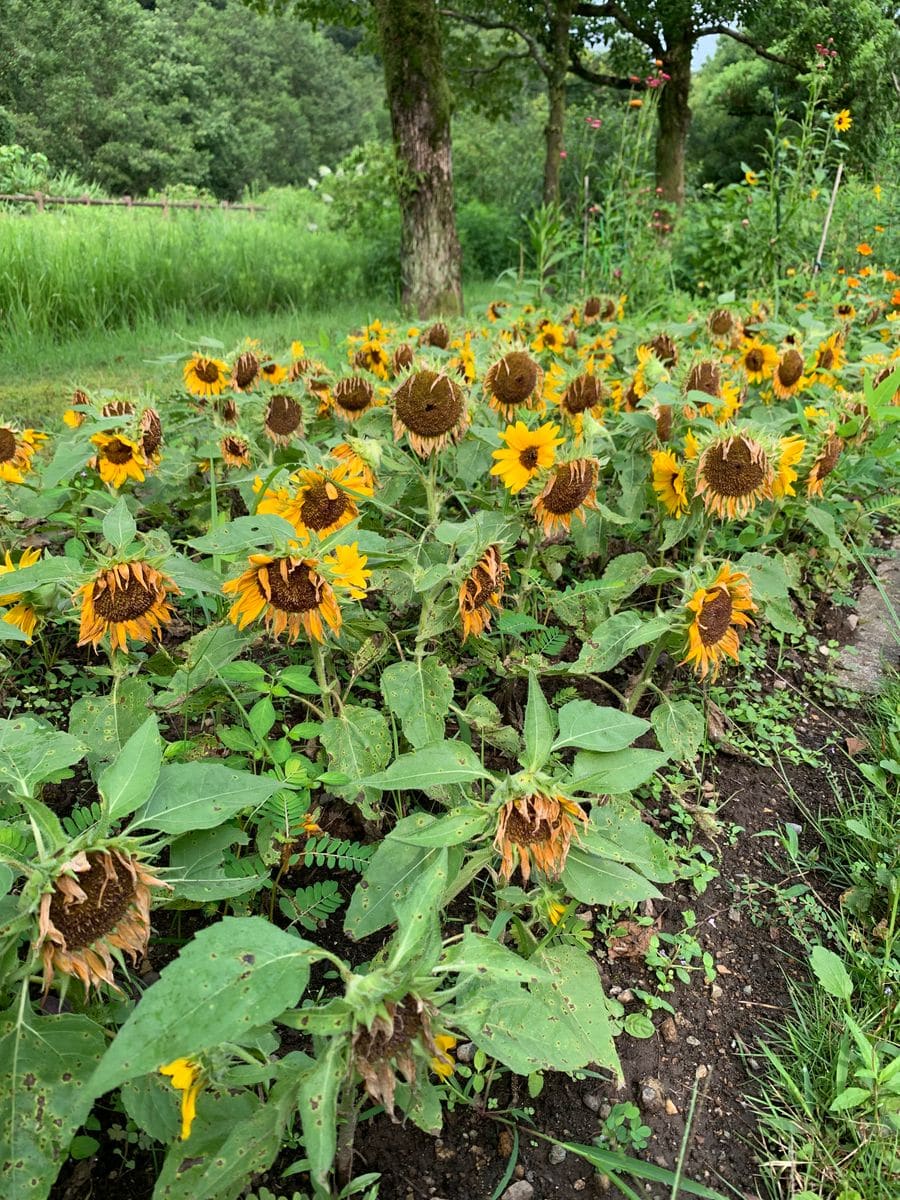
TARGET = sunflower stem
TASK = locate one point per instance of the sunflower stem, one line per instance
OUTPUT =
(432, 496)
(701, 540)
(534, 535)
(644, 681)
(322, 679)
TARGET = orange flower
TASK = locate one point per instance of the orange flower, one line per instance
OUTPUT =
(864, 248)
(537, 830)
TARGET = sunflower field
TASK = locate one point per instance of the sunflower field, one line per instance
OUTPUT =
(374, 657)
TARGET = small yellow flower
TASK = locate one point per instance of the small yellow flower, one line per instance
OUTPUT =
(751, 177)
(864, 248)
(843, 120)
(691, 446)
(442, 1063)
(555, 913)
(528, 452)
(185, 1076)
(347, 570)
(876, 191)
(812, 413)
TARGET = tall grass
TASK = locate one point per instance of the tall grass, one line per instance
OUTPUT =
(67, 271)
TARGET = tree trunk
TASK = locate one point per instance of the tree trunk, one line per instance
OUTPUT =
(409, 34)
(674, 117)
(557, 69)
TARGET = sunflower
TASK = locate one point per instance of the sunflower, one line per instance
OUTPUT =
(235, 450)
(551, 338)
(205, 376)
(117, 408)
(669, 483)
(324, 501)
(535, 831)
(358, 465)
(495, 308)
(732, 475)
(227, 408)
(843, 120)
(430, 408)
(73, 417)
(571, 488)
(348, 571)
(583, 394)
(788, 376)
(758, 359)
(791, 452)
(150, 433)
(186, 1077)
(463, 362)
(481, 591)
(691, 446)
(724, 327)
(272, 372)
(718, 611)
(515, 381)
(706, 377)
(118, 458)
(99, 902)
(442, 1063)
(390, 1042)
(16, 452)
(289, 593)
(372, 356)
(125, 600)
(283, 420)
(649, 372)
(437, 335)
(245, 372)
(665, 348)
(403, 359)
(662, 414)
(845, 311)
(20, 614)
(527, 453)
(353, 396)
(602, 308)
(830, 355)
(824, 464)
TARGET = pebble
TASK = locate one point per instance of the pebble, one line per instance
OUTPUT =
(522, 1190)
(692, 1041)
(660, 1160)
(748, 990)
(592, 1101)
(701, 1072)
(733, 916)
(853, 620)
(669, 1030)
(466, 1052)
(671, 1109)
(652, 1096)
(626, 997)
(557, 1155)
(716, 992)
(824, 651)
(579, 1185)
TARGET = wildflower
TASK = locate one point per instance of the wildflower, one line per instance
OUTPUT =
(283, 420)
(751, 177)
(442, 1062)
(758, 359)
(824, 464)
(292, 593)
(185, 1076)
(353, 396)
(527, 453)
(20, 614)
(551, 338)
(843, 120)
(719, 611)
(788, 376)
(272, 372)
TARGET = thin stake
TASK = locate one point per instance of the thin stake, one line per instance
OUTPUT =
(817, 265)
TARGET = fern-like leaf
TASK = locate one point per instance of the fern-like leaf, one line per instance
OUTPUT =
(548, 643)
(309, 906)
(334, 852)
(81, 818)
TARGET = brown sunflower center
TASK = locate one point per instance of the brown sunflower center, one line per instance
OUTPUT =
(790, 368)
(829, 456)
(437, 335)
(705, 377)
(126, 602)
(234, 446)
(735, 473)
(117, 408)
(151, 431)
(570, 488)
(246, 369)
(7, 444)
(845, 310)
(108, 896)
(529, 458)
(270, 368)
(354, 394)
(480, 586)
(583, 393)
(429, 404)
(206, 370)
(118, 452)
(299, 592)
(513, 378)
(755, 360)
(592, 306)
(721, 322)
(665, 349)
(715, 618)
(525, 832)
(826, 358)
(283, 416)
(323, 505)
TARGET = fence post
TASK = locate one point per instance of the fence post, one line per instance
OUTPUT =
(39, 200)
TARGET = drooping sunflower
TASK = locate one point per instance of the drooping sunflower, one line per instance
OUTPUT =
(291, 594)
(482, 590)
(117, 408)
(550, 338)
(758, 359)
(662, 414)
(352, 396)
(669, 483)
(495, 309)
(825, 463)
(99, 901)
(245, 372)
(372, 356)
(16, 452)
(584, 393)
(235, 450)
(186, 1076)
(665, 348)
(788, 376)
(403, 359)
(430, 408)
(20, 613)
(227, 408)
(283, 420)
(830, 355)
(718, 612)
(205, 376)
(401, 1032)
(125, 600)
(791, 452)
(724, 327)
(648, 372)
(602, 308)
(704, 376)
(118, 459)
(512, 383)
(527, 452)
(571, 488)
(733, 474)
(535, 832)
(150, 434)
(437, 335)
(845, 312)
(691, 446)
(272, 372)
(463, 361)
(358, 466)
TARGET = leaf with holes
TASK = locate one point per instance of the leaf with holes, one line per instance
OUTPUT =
(201, 795)
(419, 694)
(105, 723)
(358, 743)
(31, 751)
(679, 727)
(129, 781)
(595, 880)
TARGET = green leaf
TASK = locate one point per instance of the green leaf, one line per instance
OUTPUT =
(595, 880)
(483, 956)
(623, 575)
(679, 727)
(417, 912)
(831, 973)
(849, 1098)
(607, 645)
(298, 679)
(540, 726)
(574, 998)
(393, 870)
(119, 527)
(419, 694)
(617, 831)
(433, 766)
(261, 718)
(457, 827)
(105, 723)
(31, 751)
(317, 1096)
(151, 1102)
(232, 977)
(43, 1067)
(585, 724)
(196, 860)
(639, 1025)
(192, 576)
(129, 781)
(246, 533)
(10, 632)
(615, 1163)
(48, 570)
(201, 795)
(616, 772)
(651, 630)
(218, 1117)
(205, 653)
(358, 742)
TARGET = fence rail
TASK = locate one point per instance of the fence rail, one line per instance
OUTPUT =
(41, 199)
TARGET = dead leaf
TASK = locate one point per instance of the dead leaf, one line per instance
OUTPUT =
(855, 745)
(631, 940)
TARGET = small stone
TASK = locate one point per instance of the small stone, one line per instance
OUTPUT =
(522, 1190)
(592, 1101)
(626, 997)
(603, 1182)
(586, 916)
(669, 1030)
(716, 992)
(557, 1155)
(708, 786)
(692, 1041)
(852, 620)
(614, 990)
(466, 1052)
(748, 990)
(780, 685)
(824, 651)
(604, 1111)
(671, 1110)
(579, 1185)
(701, 1072)
(660, 1160)
(652, 1095)
(734, 916)
(518, 1171)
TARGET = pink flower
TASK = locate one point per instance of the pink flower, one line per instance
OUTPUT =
(664, 76)
(651, 82)
(563, 154)
(617, 273)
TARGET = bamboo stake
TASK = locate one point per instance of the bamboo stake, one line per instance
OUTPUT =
(817, 265)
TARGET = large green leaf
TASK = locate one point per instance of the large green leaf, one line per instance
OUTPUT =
(129, 781)
(205, 654)
(437, 765)
(393, 871)
(201, 795)
(595, 880)
(540, 726)
(219, 1116)
(119, 526)
(617, 831)
(585, 724)
(43, 1068)
(196, 860)
(105, 723)
(48, 570)
(574, 994)
(245, 533)
(232, 977)
(358, 743)
(831, 973)
(616, 772)
(317, 1095)
(607, 645)
(451, 830)
(32, 751)
(477, 955)
(679, 727)
(419, 693)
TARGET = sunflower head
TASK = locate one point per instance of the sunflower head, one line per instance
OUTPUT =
(513, 382)
(437, 335)
(788, 376)
(723, 326)
(791, 451)
(16, 452)
(551, 338)
(665, 348)
(830, 355)
(704, 376)
(481, 592)
(290, 594)
(18, 611)
(324, 499)
(430, 408)
(535, 831)
(733, 474)
(98, 902)
(125, 600)
(272, 372)
(583, 394)
(526, 453)
(402, 359)
(718, 611)
(235, 450)
(118, 458)
(245, 372)
(570, 490)
(353, 396)
(758, 359)
(150, 433)
(669, 483)
(599, 308)
(205, 376)
(400, 1032)
(117, 408)
(283, 420)
(825, 463)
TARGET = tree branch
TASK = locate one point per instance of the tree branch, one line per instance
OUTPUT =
(495, 66)
(578, 68)
(736, 35)
(647, 36)
(534, 46)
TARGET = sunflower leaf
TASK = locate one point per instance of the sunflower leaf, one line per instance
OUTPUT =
(540, 726)
(419, 693)
(585, 724)
(202, 795)
(119, 526)
(129, 781)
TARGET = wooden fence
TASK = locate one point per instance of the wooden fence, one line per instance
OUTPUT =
(42, 199)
